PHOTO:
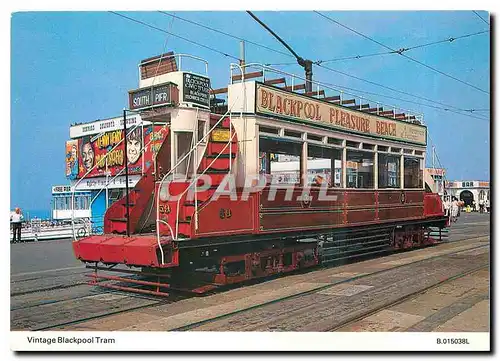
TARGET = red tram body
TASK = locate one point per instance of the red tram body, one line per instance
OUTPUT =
(225, 219)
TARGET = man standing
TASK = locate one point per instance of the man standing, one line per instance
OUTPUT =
(16, 218)
(481, 205)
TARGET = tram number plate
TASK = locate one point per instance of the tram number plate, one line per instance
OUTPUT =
(164, 208)
(225, 213)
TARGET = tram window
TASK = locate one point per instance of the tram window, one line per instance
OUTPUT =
(115, 194)
(201, 129)
(281, 159)
(359, 169)
(324, 165)
(413, 172)
(382, 148)
(335, 141)
(352, 144)
(408, 151)
(268, 130)
(368, 146)
(418, 152)
(184, 154)
(388, 171)
(316, 138)
(289, 133)
(395, 150)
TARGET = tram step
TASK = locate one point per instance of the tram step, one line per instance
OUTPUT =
(220, 163)
(124, 219)
(217, 177)
(216, 147)
(130, 204)
(217, 171)
(223, 124)
(184, 228)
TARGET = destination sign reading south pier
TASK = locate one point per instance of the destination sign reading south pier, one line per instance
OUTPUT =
(160, 94)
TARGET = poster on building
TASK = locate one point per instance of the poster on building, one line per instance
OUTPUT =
(71, 159)
(105, 153)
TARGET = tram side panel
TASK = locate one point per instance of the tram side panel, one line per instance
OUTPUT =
(292, 210)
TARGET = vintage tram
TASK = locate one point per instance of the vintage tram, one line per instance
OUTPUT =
(213, 209)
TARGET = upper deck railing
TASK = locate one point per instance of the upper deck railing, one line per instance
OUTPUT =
(179, 57)
(295, 83)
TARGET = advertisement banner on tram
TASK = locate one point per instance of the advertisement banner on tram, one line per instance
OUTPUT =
(105, 153)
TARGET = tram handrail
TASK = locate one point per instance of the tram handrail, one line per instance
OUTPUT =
(264, 67)
(88, 172)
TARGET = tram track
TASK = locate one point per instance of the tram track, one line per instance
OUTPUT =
(155, 302)
(197, 324)
(98, 316)
(53, 288)
(93, 294)
(406, 298)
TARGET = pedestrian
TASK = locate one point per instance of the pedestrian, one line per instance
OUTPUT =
(16, 218)
(454, 210)
(481, 205)
(447, 206)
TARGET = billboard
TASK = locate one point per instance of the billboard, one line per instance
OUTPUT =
(72, 159)
(104, 153)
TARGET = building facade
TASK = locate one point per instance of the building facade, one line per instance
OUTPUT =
(470, 192)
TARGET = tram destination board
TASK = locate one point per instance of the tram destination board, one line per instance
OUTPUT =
(157, 95)
(196, 89)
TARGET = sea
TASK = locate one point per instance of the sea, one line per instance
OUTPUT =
(38, 213)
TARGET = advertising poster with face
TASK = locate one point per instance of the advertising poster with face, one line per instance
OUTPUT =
(106, 152)
(71, 159)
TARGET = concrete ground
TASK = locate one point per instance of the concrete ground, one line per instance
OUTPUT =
(329, 303)
(47, 264)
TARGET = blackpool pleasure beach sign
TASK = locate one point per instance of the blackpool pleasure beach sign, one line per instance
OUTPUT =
(272, 101)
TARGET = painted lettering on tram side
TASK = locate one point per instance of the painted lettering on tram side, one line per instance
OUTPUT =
(281, 103)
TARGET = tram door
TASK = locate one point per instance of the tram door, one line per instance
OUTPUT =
(183, 143)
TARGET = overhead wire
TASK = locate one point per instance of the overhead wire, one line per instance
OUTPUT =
(175, 35)
(405, 100)
(322, 66)
(227, 34)
(480, 17)
(447, 40)
(401, 52)
(447, 107)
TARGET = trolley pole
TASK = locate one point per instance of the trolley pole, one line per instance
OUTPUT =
(127, 215)
(305, 63)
